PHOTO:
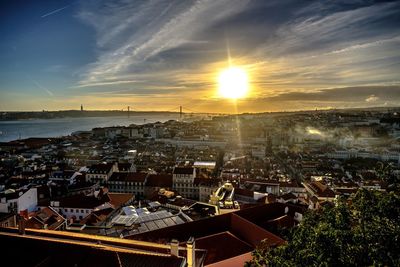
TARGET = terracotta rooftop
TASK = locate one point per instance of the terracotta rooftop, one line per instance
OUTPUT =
(119, 199)
(320, 189)
(46, 216)
(222, 246)
(96, 217)
(239, 229)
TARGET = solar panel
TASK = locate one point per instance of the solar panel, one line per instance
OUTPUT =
(169, 221)
(160, 223)
(151, 225)
(179, 220)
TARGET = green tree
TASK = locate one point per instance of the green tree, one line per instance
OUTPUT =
(362, 232)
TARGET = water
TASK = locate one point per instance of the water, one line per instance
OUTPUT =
(12, 130)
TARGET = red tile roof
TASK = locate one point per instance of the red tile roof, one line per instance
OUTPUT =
(45, 217)
(320, 189)
(119, 199)
(222, 246)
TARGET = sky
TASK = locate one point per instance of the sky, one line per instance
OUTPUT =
(159, 55)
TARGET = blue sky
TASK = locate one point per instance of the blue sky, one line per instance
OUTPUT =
(157, 55)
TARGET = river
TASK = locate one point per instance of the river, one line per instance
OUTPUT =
(12, 130)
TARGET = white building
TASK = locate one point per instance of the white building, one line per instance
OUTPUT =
(183, 182)
(18, 200)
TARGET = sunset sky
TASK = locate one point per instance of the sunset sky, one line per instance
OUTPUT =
(157, 55)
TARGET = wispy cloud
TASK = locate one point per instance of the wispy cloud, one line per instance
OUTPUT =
(117, 82)
(310, 46)
(152, 28)
(38, 85)
(372, 98)
(54, 11)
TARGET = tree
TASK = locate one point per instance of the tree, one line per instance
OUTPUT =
(384, 171)
(362, 232)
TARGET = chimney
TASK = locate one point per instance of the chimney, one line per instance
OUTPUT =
(21, 225)
(191, 251)
(175, 247)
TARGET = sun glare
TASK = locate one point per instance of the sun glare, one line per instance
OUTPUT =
(233, 83)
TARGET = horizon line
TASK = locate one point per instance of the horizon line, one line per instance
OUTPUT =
(225, 113)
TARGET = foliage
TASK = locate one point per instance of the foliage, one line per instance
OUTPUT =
(363, 231)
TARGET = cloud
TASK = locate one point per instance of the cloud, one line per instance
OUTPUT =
(290, 48)
(146, 30)
(38, 85)
(372, 98)
(54, 11)
(344, 94)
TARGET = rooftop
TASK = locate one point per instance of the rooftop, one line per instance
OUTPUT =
(77, 201)
(183, 170)
(159, 180)
(242, 228)
(136, 177)
(56, 248)
(100, 168)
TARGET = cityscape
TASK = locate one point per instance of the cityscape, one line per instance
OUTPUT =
(200, 133)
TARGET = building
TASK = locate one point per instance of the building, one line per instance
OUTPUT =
(155, 182)
(229, 238)
(292, 187)
(183, 182)
(8, 220)
(128, 182)
(126, 167)
(65, 177)
(318, 192)
(18, 200)
(46, 218)
(206, 187)
(100, 173)
(78, 207)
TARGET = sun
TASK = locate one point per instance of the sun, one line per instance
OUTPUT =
(233, 83)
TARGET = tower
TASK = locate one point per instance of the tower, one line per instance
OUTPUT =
(81, 107)
(180, 112)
